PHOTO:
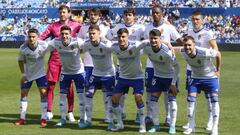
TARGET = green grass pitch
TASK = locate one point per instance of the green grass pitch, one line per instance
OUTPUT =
(10, 94)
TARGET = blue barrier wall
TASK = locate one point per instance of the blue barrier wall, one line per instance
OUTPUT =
(32, 12)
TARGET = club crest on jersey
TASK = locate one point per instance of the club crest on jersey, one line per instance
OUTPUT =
(130, 52)
(199, 37)
(60, 47)
(199, 61)
(101, 50)
(133, 30)
(72, 47)
(160, 57)
(39, 52)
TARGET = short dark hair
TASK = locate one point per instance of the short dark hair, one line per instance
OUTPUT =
(65, 27)
(187, 37)
(33, 30)
(129, 10)
(94, 27)
(158, 6)
(122, 30)
(155, 32)
(95, 10)
(194, 13)
(64, 7)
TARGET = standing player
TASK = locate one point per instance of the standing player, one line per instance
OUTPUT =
(168, 33)
(31, 64)
(131, 75)
(204, 77)
(203, 38)
(135, 34)
(72, 69)
(103, 73)
(166, 72)
(54, 66)
(94, 18)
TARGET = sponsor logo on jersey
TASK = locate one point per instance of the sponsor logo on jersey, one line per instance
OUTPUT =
(130, 52)
(199, 36)
(199, 61)
(160, 57)
(101, 50)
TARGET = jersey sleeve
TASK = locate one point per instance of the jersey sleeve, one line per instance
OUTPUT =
(46, 34)
(174, 34)
(211, 53)
(20, 55)
(210, 35)
(51, 45)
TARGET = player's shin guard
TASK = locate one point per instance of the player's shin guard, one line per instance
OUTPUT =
(209, 109)
(44, 107)
(23, 107)
(190, 109)
(89, 106)
(70, 98)
(63, 105)
(167, 107)
(81, 104)
(122, 103)
(105, 101)
(154, 109)
(216, 112)
(148, 107)
(117, 112)
(109, 111)
(141, 116)
(173, 110)
(50, 95)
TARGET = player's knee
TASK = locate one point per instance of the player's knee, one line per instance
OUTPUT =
(214, 99)
(24, 93)
(154, 98)
(43, 98)
(89, 94)
(191, 98)
(138, 98)
(207, 95)
(171, 98)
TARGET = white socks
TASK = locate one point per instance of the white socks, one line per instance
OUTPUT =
(23, 107)
(173, 112)
(63, 105)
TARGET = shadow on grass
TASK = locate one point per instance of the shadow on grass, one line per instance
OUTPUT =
(98, 124)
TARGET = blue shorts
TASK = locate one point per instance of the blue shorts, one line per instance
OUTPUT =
(160, 84)
(188, 78)
(41, 82)
(207, 85)
(124, 84)
(97, 82)
(149, 74)
(66, 80)
(88, 71)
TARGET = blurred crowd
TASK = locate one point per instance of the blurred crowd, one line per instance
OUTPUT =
(122, 3)
(223, 27)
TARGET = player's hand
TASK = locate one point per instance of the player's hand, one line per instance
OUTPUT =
(217, 73)
(173, 89)
(24, 79)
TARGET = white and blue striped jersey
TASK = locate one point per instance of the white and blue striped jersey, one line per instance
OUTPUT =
(136, 32)
(69, 55)
(102, 58)
(33, 60)
(201, 65)
(84, 34)
(164, 62)
(168, 33)
(129, 60)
